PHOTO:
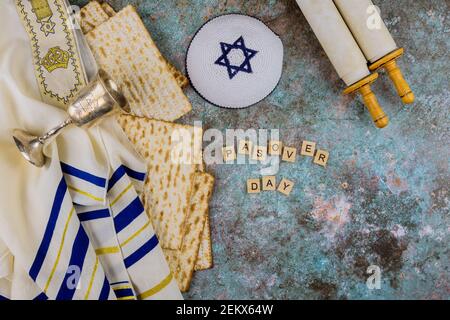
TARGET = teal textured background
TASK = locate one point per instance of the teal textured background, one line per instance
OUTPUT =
(383, 199)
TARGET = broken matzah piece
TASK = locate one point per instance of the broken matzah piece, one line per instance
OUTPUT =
(123, 47)
(182, 261)
(205, 256)
(173, 153)
(91, 15)
(108, 9)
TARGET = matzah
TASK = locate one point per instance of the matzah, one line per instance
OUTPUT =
(205, 256)
(169, 183)
(123, 47)
(182, 80)
(108, 9)
(182, 261)
(90, 24)
(91, 16)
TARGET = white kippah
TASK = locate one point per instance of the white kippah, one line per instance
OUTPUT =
(234, 61)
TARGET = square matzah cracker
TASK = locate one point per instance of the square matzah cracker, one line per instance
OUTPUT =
(182, 261)
(169, 183)
(92, 18)
(123, 47)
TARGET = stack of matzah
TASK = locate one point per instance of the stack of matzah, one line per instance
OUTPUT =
(182, 261)
(155, 141)
(177, 191)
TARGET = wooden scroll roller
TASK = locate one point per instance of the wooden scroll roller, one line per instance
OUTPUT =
(389, 62)
(375, 40)
(370, 100)
(343, 52)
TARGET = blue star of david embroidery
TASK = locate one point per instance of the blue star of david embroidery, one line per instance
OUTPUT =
(245, 66)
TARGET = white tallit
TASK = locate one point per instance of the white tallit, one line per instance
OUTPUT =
(74, 229)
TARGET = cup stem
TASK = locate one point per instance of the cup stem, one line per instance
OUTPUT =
(54, 131)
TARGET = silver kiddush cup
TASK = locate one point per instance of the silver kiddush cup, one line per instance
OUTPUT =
(99, 98)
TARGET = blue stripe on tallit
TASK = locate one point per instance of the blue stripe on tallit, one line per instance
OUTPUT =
(50, 228)
(141, 252)
(79, 250)
(134, 174)
(119, 282)
(92, 215)
(3, 298)
(120, 172)
(41, 296)
(127, 292)
(127, 215)
(83, 175)
(104, 293)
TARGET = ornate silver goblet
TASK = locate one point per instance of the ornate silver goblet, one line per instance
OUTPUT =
(99, 98)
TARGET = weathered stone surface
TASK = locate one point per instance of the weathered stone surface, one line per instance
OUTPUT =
(383, 198)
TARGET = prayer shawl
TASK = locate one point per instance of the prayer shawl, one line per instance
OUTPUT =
(75, 228)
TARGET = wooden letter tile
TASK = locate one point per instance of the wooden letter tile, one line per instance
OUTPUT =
(275, 147)
(289, 154)
(228, 153)
(245, 147)
(259, 153)
(269, 183)
(308, 148)
(253, 186)
(321, 158)
(285, 186)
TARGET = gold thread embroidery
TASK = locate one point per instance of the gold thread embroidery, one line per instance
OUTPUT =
(76, 67)
(43, 12)
(107, 250)
(41, 9)
(92, 279)
(58, 256)
(160, 286)
(84, 193)
(55, 58)
(135, 234)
